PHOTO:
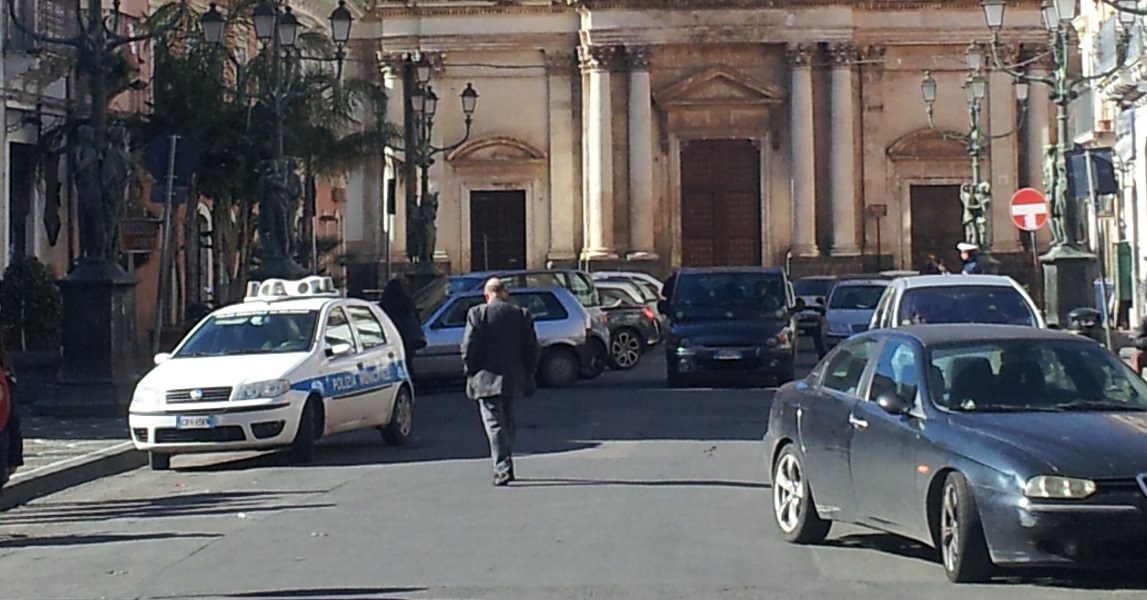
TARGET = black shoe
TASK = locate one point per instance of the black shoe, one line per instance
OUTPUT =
(502, 480)
(511, 475)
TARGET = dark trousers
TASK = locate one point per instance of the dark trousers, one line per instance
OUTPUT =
(498, 418)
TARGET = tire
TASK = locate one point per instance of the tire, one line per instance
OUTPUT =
(626, 346)
(158, 461)
(794, 510)
(397, 431)
(960, 539)
(559, 369)
(598, 358)
(303, 446)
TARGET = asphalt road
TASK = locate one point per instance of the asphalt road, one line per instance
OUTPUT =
(626, 490)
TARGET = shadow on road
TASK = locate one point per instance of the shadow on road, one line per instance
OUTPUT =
(886, 543)
(1111, 580)
(20, 541)
(358, 593)
(524, 482)
(182, 505)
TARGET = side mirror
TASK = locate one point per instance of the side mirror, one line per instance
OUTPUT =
(893, 404)
(338, 350)
(664, 307)
(819, 300)
(162, 357)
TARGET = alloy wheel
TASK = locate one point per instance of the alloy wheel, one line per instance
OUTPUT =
(950, 528)
(626, 350)
(788, 493)
(404, 414)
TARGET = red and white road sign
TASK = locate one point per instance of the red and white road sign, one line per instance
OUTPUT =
(1029, 209)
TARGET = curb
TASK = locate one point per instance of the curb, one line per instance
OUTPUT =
(49, 479)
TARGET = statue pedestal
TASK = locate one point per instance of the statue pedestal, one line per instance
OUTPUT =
(277, 268)
(1067, 277)
(98, 372)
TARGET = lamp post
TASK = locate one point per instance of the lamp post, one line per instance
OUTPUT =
(975, 196)
(279, 187)
(421, 108)
(1065, 264)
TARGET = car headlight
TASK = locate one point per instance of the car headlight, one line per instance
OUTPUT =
(262, 389)
(781, 339)
(1059, 488)
(684, 347)
(839, 328)
(147, 395)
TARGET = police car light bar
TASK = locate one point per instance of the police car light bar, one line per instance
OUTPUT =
(283, 289)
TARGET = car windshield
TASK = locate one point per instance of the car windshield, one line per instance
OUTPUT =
(647, 292)
(812, 286)
(966, 304)
(855, 297)
(458, 285)
(271, 332)
(1033, 375)
(729, 295)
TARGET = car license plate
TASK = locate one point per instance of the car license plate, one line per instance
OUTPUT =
(728, 355)
(194, 422)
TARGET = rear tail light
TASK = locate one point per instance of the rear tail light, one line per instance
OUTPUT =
(649, 314)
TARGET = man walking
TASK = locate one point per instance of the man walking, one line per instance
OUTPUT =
(500, 356)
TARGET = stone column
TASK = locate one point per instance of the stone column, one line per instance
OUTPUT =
(641, 201)
(842, 162)
(1004, 154)
(563, 186)
(392, 80)
(1037, 126)
(597, 61)
(803, 150)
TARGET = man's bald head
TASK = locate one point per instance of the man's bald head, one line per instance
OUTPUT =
(494, 288)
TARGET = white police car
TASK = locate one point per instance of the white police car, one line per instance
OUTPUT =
(293, 362)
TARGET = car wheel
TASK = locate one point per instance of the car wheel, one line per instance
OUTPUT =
(793, 506)
(303, 446)
(598, 357)
(559, 369)
(961, 534)
(626, 348)
(158, 462)
(397, 431)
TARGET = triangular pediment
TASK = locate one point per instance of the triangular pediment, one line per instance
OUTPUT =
(718, 86)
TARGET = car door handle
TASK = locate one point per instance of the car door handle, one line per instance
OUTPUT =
(857, 422)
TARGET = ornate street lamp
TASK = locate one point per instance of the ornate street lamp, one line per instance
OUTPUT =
(212, 22)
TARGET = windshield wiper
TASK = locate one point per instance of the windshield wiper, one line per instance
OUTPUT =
(1099, 406)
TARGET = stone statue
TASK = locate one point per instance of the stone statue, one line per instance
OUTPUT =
(1059, 208)
(975, 200)
(115, 173)
(278, 190)
(428, 215)
(84, 159)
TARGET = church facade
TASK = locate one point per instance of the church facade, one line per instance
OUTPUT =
(655, 134)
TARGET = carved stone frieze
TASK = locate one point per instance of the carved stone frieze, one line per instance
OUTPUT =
(800, 55)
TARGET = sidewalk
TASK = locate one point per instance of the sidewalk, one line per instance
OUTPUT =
(62, 452)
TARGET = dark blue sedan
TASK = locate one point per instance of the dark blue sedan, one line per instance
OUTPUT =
(998, 445)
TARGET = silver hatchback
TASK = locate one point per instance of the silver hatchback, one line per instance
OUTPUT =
(561, 321)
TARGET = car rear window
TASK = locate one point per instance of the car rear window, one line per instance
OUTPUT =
(542, 306)
(966, 304)
(855, 297)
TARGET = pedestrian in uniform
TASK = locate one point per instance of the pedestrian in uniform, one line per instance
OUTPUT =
(397, 305)
(968, 254)
(500, 356)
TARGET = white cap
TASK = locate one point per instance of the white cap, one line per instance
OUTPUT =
(966, 247)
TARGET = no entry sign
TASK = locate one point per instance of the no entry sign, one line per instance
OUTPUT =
(1029, 209)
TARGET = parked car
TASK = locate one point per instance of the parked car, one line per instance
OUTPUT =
(849, 308)
(813, 291)
(999, 445)
(955, 299)
(291, 363)
(731, 321)
(640, 294)
(579, 283)
(644, 279)
(561, 322)
(633, 325)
